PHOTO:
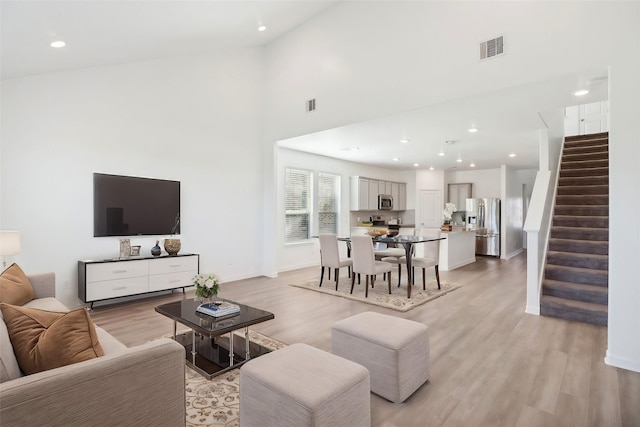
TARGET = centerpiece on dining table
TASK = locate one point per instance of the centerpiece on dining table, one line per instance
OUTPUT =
(377, 232)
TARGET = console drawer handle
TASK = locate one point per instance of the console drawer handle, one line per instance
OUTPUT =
(119, 288)
(119, 271)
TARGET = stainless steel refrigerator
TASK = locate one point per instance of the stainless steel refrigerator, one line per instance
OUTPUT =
(483, 216)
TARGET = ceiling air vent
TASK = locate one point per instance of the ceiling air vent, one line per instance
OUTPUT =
(491, 48)
(311, 105)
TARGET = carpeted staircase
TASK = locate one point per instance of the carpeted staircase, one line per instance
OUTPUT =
(575, 284)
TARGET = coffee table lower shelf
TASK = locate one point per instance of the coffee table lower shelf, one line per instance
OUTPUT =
(211, 356)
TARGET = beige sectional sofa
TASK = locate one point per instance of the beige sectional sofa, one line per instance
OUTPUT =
(137, 386)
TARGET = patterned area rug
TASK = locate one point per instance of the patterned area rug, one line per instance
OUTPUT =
(216, 402)
(379, 295)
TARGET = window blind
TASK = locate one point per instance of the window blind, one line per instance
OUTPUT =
(328, 202)
(297, 205)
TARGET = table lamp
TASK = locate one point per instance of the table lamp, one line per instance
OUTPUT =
(9, 244)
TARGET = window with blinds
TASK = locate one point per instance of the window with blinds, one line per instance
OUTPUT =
(297, 224)
(328, 202)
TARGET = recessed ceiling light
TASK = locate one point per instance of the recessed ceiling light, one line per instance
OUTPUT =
(262, 27)
(441, 153)
(404, 140)
(472, 130)
(431, 168)
(58, 43)
(581, 92)
(416, 164)
(473, 165)
(395, 159)
(459, 160)
(512, 155)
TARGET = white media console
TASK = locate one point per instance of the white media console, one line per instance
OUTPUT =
(115, 278)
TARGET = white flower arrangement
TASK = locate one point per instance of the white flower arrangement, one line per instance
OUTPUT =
(448, 211)
(207, 285)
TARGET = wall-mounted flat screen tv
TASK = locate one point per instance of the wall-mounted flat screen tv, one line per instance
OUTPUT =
(134, 206)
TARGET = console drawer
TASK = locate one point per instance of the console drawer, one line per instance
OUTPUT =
(173, 265)
(116, 270)
(117, 288)
(171, 280)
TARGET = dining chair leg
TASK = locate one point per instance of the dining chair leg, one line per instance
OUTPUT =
(413, 276)
(358, 278)
(389, 282)
(399, 273)
(337, 277)
(366, 285)
(438, 277)
(424, 279)
(321, 275)
(353, 282)
(329, 273)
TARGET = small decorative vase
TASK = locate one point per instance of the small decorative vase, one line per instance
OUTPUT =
(156, 251)
(207, 300)
(172, 246)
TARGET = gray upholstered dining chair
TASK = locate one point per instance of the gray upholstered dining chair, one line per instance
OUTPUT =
(429, 258)
(330, 257)
(364, 262)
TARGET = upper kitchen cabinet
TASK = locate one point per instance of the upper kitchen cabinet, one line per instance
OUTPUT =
(365, 191)
(458, 195)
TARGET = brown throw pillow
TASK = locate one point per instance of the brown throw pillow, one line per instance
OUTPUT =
(15, 287)
(45, 339)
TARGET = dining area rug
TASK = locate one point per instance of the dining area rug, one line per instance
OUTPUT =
(379, 294)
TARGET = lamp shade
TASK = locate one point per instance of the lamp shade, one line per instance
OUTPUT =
(9, 242)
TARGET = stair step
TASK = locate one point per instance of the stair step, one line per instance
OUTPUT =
(580, 233)
(578, 190)
(572, 156)
(585, 164)
(574, 259)
(584, 210)
(576, 291)
(580, 311)
(581, 221)
(588, 172)
(587, 138)
(579, 246)
(585, 276)
(591, 199)
(571, 149)
(583, 180)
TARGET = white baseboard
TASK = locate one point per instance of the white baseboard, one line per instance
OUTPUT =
(514, 253)
(298, 267)
(621, 362)
(457, 265)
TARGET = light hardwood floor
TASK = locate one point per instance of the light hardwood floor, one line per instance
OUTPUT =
(491, 363)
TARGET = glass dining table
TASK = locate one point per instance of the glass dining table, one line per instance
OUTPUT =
(407, 242)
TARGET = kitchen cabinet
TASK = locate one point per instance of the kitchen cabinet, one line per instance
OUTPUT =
(374, 190)
(458, 195)
(365, 191)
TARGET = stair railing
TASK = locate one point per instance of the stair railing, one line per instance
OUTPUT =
(538, 224)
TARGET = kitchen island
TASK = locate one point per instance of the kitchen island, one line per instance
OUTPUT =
(458, 249)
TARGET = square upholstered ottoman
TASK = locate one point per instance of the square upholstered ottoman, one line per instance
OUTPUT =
(300, 385)
(394, 350)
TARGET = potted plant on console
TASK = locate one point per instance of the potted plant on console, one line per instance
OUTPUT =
(172, 246)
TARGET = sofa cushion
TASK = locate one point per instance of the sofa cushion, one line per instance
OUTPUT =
(15, 287)
(45, 340)
(9, 369)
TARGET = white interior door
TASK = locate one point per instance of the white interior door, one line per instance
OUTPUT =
(430, 208)
(593, 117)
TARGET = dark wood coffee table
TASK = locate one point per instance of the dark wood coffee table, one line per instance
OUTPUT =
(207, 350)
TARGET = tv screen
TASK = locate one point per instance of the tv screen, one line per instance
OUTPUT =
(133, 206)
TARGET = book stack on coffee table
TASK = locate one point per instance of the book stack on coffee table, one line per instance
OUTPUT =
(218, 309)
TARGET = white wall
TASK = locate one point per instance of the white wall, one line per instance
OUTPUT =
(196, 120)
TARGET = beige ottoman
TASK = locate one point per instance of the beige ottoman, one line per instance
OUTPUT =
(300, 385)
(394, 350)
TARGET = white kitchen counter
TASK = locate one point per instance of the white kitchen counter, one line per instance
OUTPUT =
(458, 249)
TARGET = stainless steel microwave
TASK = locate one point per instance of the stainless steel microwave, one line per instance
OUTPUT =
(385, 202)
